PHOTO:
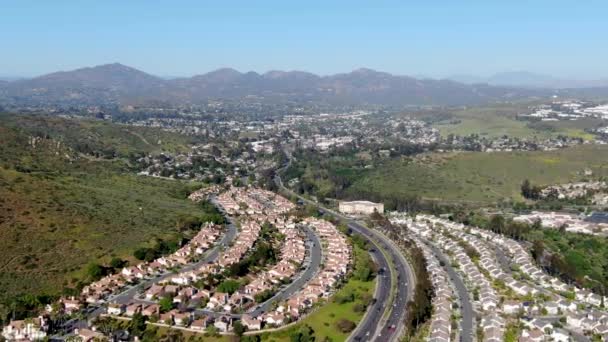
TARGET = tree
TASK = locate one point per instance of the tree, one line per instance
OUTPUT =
(117, 263)
(229, 286)
(345, 325)
(497, 224)
(238, 328)
(140, 253)
(95, 271)
(525, 188)
(304, 334)
(166, 304)
(137, 325)
(538, 249)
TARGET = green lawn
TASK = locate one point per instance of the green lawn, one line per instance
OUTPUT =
(323, 320)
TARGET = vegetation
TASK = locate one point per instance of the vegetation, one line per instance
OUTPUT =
(264, 252)
(498, 120)
(412, 183)
(67, 216)
(575, 258)
(346, 304)
(420, 307)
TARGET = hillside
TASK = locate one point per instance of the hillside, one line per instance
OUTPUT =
(116, 83)
(61, 208)
(475, 177)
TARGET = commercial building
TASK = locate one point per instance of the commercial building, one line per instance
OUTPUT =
(360, 207)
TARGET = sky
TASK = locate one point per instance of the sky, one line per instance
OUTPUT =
(430, 38)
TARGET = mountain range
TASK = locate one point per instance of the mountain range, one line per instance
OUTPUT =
(120, 84)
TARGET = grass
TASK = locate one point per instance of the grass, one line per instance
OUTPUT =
(61, 210)
(323, 320)
(479, 177)
(52, 227)
(498, 120)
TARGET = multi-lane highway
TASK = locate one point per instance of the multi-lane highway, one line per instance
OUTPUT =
(385, 318)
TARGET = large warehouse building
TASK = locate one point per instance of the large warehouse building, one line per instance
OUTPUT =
(360, 207)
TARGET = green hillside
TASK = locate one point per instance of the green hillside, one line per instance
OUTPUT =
(64, 205)
(476, 176)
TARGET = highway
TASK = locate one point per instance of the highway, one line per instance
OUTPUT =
(374, 326)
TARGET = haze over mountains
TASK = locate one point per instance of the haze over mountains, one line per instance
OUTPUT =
(117, 83)
(528, 79)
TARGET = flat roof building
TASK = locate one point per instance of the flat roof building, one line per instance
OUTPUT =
(360, 207)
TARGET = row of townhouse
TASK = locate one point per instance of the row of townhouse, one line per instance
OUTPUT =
(253, 201)
(271, 211)
(26, 330)
(441, 320)
(490, 264)
(250, 231)
(292, 256)
(173, 317)
(487, 300)
(337, 258)
(524, 262)
(579, 313)
(204, 193)
(97, 291)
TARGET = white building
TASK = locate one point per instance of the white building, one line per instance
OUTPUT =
(360, 207)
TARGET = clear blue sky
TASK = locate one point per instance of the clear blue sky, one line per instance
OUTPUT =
(431, 37)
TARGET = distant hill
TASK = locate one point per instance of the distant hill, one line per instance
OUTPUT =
(525, 79)
(116, 83)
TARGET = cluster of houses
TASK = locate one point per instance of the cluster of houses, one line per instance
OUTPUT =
(99, 291)
(293, 251)
(569, 222)
(534, 295)
(337, 257)
(253, 208)
(254, 202)
(441, 321)
(573, 190)
(26, 330)
(204, 193)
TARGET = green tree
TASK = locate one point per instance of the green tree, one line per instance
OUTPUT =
(304, 334)
(95, 271)
(137, 325)
(166, 304)
(117, 263)
(238, 328)
(229, 286)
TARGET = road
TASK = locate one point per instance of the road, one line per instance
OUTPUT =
(373, 327)
(466, 308)
(394, 324)
(210, 256)
(313, 265)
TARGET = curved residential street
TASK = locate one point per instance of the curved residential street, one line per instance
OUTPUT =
(466, 308)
